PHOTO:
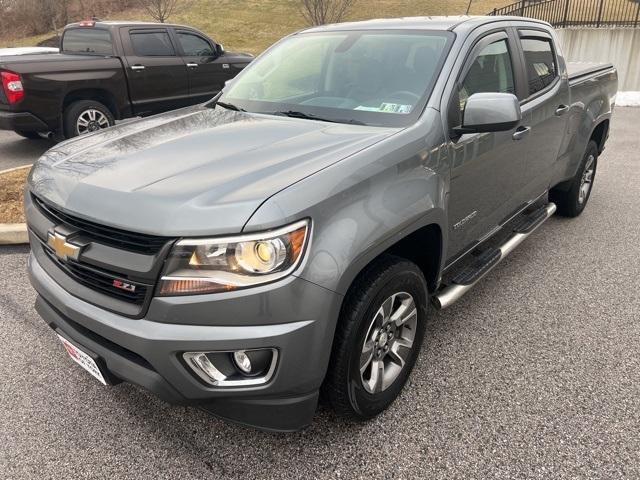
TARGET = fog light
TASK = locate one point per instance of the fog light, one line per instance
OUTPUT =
(242, 361)
(233, 368)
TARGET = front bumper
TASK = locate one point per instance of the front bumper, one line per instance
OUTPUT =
(23, 121)
(148, 351)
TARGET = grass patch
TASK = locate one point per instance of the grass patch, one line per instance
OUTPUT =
(11, 188)
(252, 25)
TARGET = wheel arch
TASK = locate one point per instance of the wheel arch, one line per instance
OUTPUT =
(423, 245)
(97, 94)
(600, 133)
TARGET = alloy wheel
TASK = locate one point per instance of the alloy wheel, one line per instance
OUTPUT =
(587, 179)
(91, 120)
(389, 342)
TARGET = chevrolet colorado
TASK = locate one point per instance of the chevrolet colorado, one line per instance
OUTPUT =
(288, 237)
(108, 71)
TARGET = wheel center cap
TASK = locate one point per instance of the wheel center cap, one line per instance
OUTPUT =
(382, 339)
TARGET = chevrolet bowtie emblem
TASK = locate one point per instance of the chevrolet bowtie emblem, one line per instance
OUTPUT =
(63, 249)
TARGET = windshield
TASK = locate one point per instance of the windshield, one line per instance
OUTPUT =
(381, 78)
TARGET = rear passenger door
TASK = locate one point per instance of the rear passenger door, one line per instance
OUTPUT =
(157, 76)
(546, 103)
(206, 69)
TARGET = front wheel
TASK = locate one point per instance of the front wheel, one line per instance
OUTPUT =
(378, 338)
(86, 116)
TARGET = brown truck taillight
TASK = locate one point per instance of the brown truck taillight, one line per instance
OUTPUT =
(12, 86)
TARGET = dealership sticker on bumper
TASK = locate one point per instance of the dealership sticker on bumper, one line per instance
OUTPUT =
(82, 359)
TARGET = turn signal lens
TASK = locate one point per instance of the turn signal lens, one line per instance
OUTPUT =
(224, 264)
(12, 86)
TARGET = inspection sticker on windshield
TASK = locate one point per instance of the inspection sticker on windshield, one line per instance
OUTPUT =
(82, 359)
(395, 108)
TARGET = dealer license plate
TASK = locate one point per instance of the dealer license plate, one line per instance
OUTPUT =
(82, 359)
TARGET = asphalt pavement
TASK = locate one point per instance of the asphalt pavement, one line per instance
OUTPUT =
(16, 151)
(534, 374)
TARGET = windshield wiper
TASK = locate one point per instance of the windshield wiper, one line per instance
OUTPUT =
(230, 106)
(310, 116)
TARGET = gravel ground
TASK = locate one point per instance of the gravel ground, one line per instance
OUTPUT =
(535, 374)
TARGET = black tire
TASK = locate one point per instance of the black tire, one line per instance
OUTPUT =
(571, 201)
(29, 135)
(77, 109)
(344, 388)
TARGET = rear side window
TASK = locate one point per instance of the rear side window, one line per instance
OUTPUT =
(541, 63)
(87, 40)
(152, 44)
(491, 71)
(194, 46)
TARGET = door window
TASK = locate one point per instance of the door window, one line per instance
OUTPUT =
(540, 62)
(194, 45)
(152, 44)
(491, 71)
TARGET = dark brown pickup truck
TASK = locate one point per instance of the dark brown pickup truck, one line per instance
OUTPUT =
(107, 71)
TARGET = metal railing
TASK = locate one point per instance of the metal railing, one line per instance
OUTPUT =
(584, 13)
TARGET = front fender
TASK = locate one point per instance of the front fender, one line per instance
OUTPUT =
(363, 205)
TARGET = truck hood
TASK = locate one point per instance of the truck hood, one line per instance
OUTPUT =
(194, 171)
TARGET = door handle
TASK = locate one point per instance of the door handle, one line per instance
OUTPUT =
(521, 132)
(137, 67)
(192, 65)
(561, 110)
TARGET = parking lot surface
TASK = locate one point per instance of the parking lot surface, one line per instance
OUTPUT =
(16, 151)
(534, 374)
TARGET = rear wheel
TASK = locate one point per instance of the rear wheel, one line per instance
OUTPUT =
(571, 202)
(86, 116)
(378, 339)
(29, 135)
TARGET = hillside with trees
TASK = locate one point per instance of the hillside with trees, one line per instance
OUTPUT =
(245, 25)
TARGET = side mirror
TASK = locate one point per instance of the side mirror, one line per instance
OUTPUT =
(490, 112)
(219, 48)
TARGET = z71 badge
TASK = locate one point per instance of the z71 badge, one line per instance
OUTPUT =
(124, 286)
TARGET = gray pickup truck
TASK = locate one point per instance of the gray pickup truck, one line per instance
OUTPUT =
(284, 242)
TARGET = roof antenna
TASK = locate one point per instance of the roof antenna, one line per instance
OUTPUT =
(468, 7)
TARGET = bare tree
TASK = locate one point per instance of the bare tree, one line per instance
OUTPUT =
(19, 18)
(160, 10)
(321, 12)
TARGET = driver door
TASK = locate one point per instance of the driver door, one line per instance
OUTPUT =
(487, 171)
(207, 69)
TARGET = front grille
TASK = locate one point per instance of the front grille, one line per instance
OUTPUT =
(100, 280)
(114, 237)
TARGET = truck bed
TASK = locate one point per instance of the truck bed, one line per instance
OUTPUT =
(579, 70)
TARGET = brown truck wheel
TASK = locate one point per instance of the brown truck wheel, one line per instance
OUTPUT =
(86, 116)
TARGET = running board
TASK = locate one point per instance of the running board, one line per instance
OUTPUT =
(451, 293)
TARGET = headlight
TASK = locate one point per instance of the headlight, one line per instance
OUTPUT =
(225, 264)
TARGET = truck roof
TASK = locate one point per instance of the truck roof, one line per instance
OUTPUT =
(122, 23)
(422, 23)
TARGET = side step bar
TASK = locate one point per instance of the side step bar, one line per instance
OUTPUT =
(451, 293)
